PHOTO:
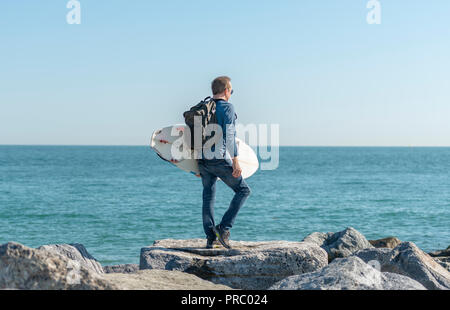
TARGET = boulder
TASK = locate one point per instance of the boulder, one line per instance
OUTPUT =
(22, 267)
(407, 259)
(339, 244)
(443, 262)
(441, 253)
(248, 265)
(77, 252)
(124, 268)
(389, 242)
(26, 268)
(349, 273)
(442, 257)
(161, 280)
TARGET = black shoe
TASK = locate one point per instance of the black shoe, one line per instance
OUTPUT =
(210, 243)
(223, 236)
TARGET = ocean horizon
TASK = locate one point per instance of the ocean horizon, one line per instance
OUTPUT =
(253, 146)
(117, 199)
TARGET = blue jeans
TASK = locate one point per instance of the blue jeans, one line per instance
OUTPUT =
(210, 170)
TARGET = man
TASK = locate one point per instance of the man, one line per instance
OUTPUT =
(225, 167)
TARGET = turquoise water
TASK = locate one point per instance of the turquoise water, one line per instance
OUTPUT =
(115, 200)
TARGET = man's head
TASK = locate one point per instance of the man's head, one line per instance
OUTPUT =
(221, 88)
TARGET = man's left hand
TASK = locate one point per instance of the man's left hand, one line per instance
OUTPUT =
(237, 171)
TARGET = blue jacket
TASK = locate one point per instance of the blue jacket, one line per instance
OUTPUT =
(226, 115)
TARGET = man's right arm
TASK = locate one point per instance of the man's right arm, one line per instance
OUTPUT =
(230, 122)
(230, 127)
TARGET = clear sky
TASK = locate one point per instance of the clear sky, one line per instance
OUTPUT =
(317, 68)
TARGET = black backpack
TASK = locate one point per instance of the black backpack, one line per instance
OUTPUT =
(206, 111)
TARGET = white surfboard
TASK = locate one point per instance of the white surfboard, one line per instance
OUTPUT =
(165, 140)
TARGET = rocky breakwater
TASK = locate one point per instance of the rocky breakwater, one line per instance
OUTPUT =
(22, 267)
(408, 260)
(390, 256)
(248, 265)
(339, 244)
(336, 261)
(349, 273)
(71, 267)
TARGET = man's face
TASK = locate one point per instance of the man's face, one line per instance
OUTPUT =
(228, 92)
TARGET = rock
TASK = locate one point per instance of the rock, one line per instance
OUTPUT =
(339, 244)
(444, 262)
(161, 280)
(440, 253)
(248, 265)
(22, 267)
(125, 268)
(349, 273)
(76, 252)
(26, 268)
(407, 259)
(389, 242)
(442, 257)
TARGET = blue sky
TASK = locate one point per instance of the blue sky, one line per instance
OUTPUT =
(314, 67)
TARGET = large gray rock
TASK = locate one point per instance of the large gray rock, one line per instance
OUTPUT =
(407, 259)
(77, 252)
(349, 273)
(26, 268)
(161, 280)
(441, 253)
(22, 267)
(444, 262)
(124, 268)
(339, 244)
(248, 265)
(442, 257)
(389, 242)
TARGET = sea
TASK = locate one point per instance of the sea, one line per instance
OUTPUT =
(117, 199)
